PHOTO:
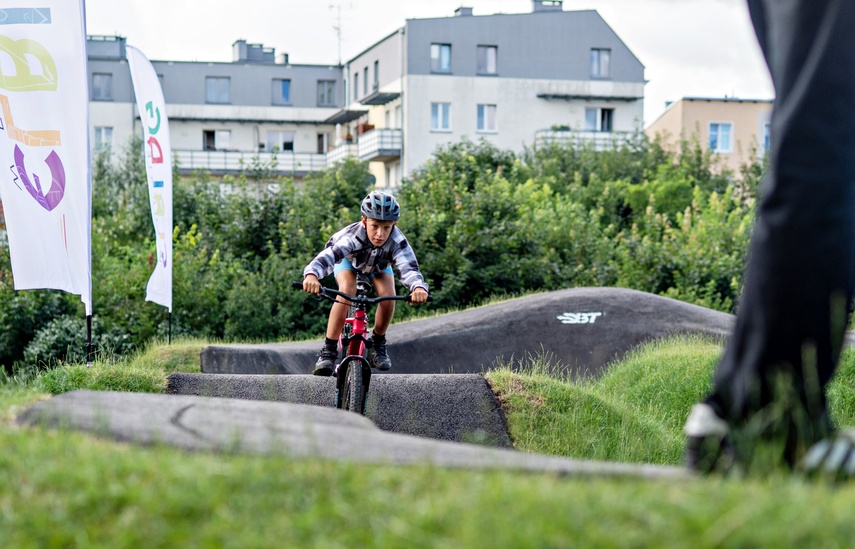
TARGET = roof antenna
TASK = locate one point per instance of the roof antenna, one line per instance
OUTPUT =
(337, 26)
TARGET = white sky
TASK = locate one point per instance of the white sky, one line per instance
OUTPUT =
(690, 48)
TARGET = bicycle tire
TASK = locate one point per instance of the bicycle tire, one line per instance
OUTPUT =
(353, 391)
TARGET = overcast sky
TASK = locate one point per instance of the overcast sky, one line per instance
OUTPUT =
(690, 48)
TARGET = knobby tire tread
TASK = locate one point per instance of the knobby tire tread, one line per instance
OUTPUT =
(353, 397)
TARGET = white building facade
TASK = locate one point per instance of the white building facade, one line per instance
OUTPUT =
(513, 79)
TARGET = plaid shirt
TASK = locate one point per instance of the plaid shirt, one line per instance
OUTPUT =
(352, 243)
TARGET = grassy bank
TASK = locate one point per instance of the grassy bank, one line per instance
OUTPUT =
(68, 489)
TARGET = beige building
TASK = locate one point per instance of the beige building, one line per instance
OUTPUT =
(737, 130)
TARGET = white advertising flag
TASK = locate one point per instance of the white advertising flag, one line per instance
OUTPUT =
(44, 145)
(158, 165)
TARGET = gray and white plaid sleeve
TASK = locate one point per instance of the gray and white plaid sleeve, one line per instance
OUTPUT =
(338, 246)
(406, 263)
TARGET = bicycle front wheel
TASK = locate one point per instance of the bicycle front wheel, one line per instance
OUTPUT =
(353, 391)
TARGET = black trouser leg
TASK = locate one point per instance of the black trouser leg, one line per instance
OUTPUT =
(801, 266)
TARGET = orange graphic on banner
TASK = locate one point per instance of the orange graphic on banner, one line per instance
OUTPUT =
(35, 138)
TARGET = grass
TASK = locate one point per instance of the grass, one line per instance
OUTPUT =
(70, 489)
(633, 413)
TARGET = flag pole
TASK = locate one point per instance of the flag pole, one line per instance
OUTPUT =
(169, 332)
(90, 349)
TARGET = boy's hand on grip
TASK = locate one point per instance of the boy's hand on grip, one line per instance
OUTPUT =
(311, 284)
(419, 295)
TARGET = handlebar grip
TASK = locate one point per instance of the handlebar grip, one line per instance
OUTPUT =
(297, 285)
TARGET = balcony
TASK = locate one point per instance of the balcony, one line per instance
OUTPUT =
(343, 151)
(234, 162)
(380, 145)
(600, 141)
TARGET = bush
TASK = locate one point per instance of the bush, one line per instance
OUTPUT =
(63, 339)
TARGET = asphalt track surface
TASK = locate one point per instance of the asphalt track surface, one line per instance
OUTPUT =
(424, 412)
(451, 407)
(583, 329)
(296, 430)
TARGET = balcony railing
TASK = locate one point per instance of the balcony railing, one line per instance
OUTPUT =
(599, 140)
(380, 145)
(345, 150)
(225, 162)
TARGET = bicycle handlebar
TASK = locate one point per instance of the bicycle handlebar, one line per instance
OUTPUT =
(329, 294)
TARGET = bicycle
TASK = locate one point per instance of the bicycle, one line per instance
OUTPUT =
(353, 372)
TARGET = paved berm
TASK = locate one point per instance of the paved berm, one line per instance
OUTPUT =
(452, 407)
(582, 328)
(296, 430)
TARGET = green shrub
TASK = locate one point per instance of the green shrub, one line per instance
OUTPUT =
(63, 339)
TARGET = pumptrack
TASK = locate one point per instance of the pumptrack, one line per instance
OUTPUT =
(430, 409)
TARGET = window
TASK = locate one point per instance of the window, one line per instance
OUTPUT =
(216, 89)
(599, 120)
(486, 57)
(280, 141)
(216, 140)
(720, 133)
(767, 137)
(600, 62)
(376, 75)
(326, 93)
(102, 87)
(281, 92)
(356, 85)
(365, 81)
(486, 118)
(440, 116)
(103, 138)
(440, 57)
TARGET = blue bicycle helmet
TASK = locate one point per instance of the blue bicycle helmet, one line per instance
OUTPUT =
(382, 206)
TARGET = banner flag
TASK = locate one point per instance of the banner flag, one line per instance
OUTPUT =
(158, 166)
(45, 180)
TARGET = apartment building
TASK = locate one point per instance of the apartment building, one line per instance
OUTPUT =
(735, 130)
(222, 115)
(514, 79)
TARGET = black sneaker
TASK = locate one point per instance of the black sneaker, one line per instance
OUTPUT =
(379, 357)
(326, 361)
(708, 446)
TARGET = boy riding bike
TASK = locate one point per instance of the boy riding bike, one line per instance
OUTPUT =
(371, 246)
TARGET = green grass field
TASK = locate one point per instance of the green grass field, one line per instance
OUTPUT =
(69, 489)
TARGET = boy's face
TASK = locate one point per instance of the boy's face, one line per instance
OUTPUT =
(378, 231)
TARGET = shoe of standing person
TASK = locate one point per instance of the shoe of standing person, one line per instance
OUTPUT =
(708, 447)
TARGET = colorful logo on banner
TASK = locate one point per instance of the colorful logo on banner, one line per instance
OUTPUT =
(153, 114)
(22, 53)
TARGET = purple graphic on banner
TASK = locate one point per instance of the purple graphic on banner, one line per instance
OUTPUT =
(54, 196)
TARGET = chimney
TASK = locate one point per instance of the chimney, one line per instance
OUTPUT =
(242, 52)
(282, 58)
(545, 5)
(462, 12)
